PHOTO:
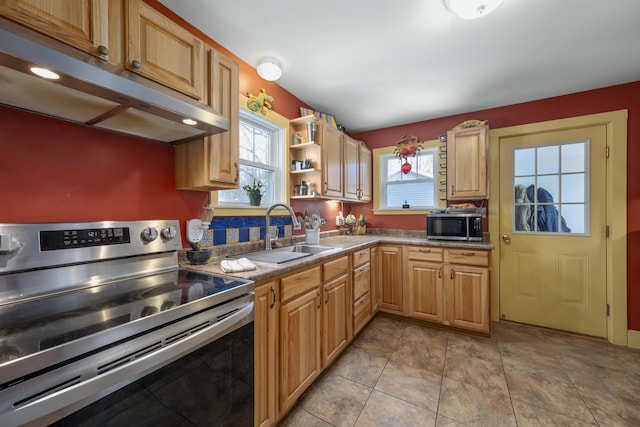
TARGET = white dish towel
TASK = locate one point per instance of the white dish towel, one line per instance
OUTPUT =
(237, 265)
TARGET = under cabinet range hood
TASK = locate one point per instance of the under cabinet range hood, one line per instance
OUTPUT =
(93, 92)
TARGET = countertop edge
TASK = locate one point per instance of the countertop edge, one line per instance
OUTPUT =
(348, 244)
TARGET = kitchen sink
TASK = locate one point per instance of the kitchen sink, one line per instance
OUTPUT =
(285, 254)
(307, 249)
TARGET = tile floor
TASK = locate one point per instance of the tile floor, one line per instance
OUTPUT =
(399, 374)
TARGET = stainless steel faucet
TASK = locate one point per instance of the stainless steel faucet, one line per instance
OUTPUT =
(267, 235)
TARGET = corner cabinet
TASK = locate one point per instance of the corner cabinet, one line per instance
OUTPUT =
(212, 163)
(467, 153)
(357, 170)
(163, 51)
(391, 289)
(339, 166)
(82, 24)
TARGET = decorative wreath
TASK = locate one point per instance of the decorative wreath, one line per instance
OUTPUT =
(407, 146)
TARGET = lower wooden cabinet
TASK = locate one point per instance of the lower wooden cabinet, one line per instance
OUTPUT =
(265, 354)
(336, 317)
(467, 289)
(300, 327)
(449, 286)
(390, 260)
(361, 278)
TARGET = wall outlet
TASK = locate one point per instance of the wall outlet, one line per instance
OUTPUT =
(194, 230)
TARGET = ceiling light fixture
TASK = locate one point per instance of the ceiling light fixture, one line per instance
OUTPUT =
(472, 9)
(269, 69)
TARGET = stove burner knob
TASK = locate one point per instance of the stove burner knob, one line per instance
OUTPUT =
(148, 310)
(167, 305)
(149, 234)
(168, 232)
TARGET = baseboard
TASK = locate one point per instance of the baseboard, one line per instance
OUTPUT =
(633, 339)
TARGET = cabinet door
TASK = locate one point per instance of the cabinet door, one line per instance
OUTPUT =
(82, 24)
(351, 168)
(467, 297)
(375, 291)
(224, 147)
(331, 162)
(299, 346)
(467, 163)
(391, 279)
(425, 290)
(365, 160)
(265, 369)
(335, 319)
(212, 163)
(163, 51)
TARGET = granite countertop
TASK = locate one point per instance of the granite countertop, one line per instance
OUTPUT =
(347, 243)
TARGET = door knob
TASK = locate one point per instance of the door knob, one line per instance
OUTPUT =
(506, 238)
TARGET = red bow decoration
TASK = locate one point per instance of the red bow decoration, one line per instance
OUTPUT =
(407, 146)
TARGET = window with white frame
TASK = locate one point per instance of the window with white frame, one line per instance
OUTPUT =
(261, 159)
(418, 188)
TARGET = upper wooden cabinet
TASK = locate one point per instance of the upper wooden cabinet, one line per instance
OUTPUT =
(212, 163)
(340, 166)
(83, 24)
(163, 51)
(331, 162)
(467, 152)
(357, 170)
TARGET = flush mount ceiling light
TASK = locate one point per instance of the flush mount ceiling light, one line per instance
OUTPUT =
(472, 9)
(269, 69)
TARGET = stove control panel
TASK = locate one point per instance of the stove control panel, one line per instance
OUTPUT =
(83, 238)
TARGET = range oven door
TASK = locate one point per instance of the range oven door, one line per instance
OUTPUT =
(217, 341)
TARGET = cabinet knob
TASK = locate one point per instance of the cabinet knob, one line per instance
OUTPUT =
(136, 64)
(103, 50)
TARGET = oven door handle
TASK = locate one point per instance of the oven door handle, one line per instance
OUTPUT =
(54, 406)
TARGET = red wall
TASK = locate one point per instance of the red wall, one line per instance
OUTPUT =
(626, 96)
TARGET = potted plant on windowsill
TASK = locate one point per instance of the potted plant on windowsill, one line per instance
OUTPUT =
(255, 192)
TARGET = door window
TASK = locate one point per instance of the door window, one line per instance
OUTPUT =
(551, 193)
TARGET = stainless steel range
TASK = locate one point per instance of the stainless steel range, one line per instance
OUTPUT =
(97, 322)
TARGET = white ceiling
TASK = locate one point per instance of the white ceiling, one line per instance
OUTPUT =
(379, 63)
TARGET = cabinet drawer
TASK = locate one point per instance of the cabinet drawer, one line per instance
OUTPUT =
(360, 257)
(335, 268)
(422, 253)
(299, 283)
(361, 310)
(467, 257)
(361, 280)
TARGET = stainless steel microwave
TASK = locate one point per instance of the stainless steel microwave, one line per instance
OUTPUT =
(448, 225)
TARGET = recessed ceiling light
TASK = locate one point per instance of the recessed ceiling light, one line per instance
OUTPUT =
(45, 73)
(189, 122)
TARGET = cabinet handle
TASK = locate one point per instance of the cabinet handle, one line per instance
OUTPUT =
(103, 50)
(451, 273)
(273, 301)
(363, 301)
(237, 172)
(453, 189)
(468, 253)
(439, 272)
(363, 269)
(425, 251)
(326, 187)
(319, 300)
(326, 293)
(136, 64)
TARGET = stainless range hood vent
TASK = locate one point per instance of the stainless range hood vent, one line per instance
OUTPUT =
(95, 93)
